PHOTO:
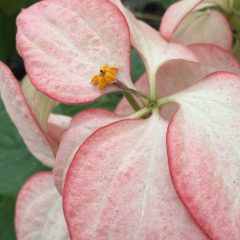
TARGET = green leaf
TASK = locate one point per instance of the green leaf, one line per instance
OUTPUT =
(16, 162)
(108, 102)
(236, 5)
(7, 206)
(137, 66)
(166, 3)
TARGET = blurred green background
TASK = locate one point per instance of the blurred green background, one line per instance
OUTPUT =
(16, 162)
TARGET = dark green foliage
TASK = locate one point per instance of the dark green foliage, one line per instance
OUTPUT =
(16, 162)
(7, 206)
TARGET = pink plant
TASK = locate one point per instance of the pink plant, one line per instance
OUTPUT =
(167, 171)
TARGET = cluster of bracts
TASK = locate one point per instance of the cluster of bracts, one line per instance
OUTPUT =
(170, 169)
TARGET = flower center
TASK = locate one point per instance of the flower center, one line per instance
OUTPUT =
(106, 77)
(152, 105)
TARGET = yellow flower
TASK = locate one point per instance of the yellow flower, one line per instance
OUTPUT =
(106, 77)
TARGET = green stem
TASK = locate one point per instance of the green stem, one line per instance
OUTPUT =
(135, 106)
(142, 112)
(153, 88)
(163, 101)
(130, 90)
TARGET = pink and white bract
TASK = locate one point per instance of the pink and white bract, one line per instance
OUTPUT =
(168, 171)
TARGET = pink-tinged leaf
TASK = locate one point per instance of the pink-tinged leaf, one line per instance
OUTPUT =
(57, 124)
(205, 27)
(21, 115)
(39, 213)
(82, 126)
(118, 186)
(153, 49)
(64, 44)
(175, 15)
(177, 75)
(203, 150)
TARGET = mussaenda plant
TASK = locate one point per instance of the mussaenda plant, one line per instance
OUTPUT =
(165, 165)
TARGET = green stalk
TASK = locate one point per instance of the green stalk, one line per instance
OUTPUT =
(132, 101)
(141, 113)
(163, 101)
(153, 88)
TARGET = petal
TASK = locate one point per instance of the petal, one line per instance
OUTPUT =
(203, 149)
(20, 113)
(76, 38)
(175, 15)
(82, 126)
(57, 124)
(153, 49)
(205, 27)
(101, 84)
(39, 213)
(40, 104)
(118, 186)
(109, 78)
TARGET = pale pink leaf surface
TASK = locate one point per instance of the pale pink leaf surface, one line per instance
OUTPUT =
(77, 38)
(203, 149)
(175, 15)
(21, 115)
(82, 126)
(205, 27)
(39, 213)
(57, 124)
(153, 49)
(183, 23)
(177, 75)
(118, 186)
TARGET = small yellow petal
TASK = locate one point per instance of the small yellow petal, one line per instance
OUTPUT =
(109, 78)
(101, 84)
(95, 79)
(106, 76)
(114, 70)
